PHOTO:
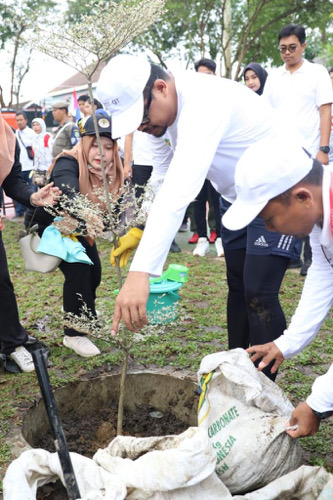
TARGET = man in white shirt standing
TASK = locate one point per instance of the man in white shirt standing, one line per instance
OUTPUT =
(301, 93)
(293, 194)
(25, 137)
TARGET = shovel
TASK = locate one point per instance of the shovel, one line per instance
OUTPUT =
(55, 423)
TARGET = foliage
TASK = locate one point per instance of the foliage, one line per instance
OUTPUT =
(101, 32)
(18, 18)
(194, 29)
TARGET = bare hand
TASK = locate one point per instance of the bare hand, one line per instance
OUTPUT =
(307, 422)
(2, 226)
(94, 225)
(268, 352)
(132, 302)
(128, 172)
(48, 195)
(322, 157)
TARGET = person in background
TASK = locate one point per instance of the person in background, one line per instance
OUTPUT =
(42, 146)
(208, 194)
(82, 99)
(301, 93)
(255, 77)
(138, 167)
(67, 134)
(13, 337)
(25, 137)
(88, 106)
(257, 260)
(291, 193)
(330, 72)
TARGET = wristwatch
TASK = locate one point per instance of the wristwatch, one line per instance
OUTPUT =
(325, 149)
(322, 415)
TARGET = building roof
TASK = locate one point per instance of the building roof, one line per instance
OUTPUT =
(77, 80)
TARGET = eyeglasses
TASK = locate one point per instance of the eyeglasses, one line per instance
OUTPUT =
(291, 48)
(146, 118)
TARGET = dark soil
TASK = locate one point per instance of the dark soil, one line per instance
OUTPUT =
(85, 435)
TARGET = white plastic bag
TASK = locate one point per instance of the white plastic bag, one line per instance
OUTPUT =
(245, 414)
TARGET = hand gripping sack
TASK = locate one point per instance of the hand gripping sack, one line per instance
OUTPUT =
(245, 415)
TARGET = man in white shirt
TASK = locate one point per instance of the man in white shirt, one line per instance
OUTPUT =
(292, 193)
(199, 127)
(25, 137)
(301, 93)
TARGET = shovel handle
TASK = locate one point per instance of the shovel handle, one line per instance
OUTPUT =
(55, 424)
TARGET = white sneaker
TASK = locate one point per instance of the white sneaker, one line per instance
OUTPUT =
(219, 247)
(82, 346)
(202, 247)
(23, 359)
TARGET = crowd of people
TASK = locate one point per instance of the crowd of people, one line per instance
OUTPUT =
(254, 153)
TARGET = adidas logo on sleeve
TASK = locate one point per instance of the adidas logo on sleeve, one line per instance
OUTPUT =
(261, 242)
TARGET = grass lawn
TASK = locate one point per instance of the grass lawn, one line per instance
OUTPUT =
(201, 329)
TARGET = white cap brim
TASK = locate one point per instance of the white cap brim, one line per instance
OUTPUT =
(241, 214)
(129, 120)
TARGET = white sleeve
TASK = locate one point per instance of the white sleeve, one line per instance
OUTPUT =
(199, 134)
(321, 397)
(315, 303)
(324, 94)
(162, 155)
(267, 93)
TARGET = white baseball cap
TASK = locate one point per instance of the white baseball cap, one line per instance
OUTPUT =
(120, 88)
(268, 168)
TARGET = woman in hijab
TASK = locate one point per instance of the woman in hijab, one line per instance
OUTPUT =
(42, 146)
(255, 77)
(79, 171)
(13, 336)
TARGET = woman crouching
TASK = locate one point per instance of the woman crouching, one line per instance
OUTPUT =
(79, 171)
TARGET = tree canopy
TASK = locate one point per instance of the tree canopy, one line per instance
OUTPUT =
(196, 28)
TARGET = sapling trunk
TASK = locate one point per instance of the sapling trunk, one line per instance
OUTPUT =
(123, 342)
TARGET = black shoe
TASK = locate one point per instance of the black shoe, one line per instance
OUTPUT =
(174, 247)
(305, 267)
(294, 264)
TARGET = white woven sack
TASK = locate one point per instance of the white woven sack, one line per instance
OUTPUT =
(245, 415)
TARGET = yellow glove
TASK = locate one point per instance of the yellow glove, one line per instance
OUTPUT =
(127, 243)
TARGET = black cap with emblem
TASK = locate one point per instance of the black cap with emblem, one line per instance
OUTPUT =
(103, 123)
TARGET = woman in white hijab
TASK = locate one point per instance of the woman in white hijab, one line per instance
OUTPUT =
(42, 147)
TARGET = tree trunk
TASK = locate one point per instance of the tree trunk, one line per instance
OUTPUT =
(226, 37)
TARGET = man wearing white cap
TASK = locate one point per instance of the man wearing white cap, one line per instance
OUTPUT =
(293, 194)
(199, 128)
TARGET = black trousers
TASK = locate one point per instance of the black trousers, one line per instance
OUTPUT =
(254, 312)
(12, 333)
(207, 193)
(81, 283)
(140, 177)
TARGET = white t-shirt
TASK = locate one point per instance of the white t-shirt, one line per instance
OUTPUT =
(316, 301)
(297, 97)
(217, 120)
(142, 153)
(26, 136)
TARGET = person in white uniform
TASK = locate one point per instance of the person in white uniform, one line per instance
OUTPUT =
(292, 194)
(301, 92)
(200, 127)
